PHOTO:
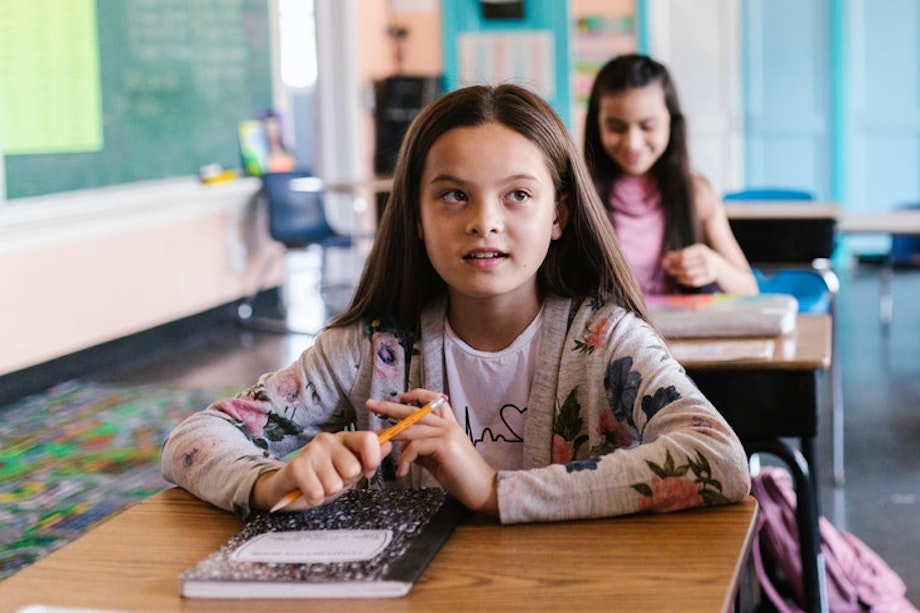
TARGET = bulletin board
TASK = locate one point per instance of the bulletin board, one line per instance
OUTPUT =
(531, 49)
(101, 92)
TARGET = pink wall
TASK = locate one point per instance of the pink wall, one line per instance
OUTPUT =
(157, 253)
(421, 47)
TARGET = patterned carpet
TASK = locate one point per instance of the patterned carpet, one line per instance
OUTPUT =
(76, 453)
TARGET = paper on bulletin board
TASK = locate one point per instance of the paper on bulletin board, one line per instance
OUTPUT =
(50, 92)
(598, 39)
(521, 57)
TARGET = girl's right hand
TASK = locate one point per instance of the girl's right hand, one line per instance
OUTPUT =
(693, 266)
(324, 468)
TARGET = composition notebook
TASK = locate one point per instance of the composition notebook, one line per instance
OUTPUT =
(365, 544)
(723, 315)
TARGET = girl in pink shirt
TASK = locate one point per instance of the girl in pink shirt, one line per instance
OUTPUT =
(670, 222)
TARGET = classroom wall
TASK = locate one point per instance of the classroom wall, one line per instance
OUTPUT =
(379, 55)
(83, 268)
(421, 47)
(603, 29)
(95, 265)
(90, 266)
(699, 43)
(63, 270)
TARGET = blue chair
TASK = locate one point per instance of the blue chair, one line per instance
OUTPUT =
(810, 287)
(769, 194)
(795, 250)
(905, 248)
(792, 256)
(297, 219)
(903, 253)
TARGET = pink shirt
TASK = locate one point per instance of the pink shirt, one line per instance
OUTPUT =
(637, 216)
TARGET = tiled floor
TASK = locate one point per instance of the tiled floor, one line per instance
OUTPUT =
(880, 500)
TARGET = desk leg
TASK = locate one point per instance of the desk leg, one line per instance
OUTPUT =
(835, 392)
(837, 421)
(814, 579)
(764, 407)
(885, 300)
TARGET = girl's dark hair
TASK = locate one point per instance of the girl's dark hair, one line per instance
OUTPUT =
(398, 280)
(672, 170)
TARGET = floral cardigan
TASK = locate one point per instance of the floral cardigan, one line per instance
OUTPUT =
(614, 425)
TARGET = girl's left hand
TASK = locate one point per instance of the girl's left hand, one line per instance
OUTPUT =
(439, 444)
(693, 266)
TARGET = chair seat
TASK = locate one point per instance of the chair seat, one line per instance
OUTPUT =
(905, 251)
(808, 286)
(335, 240)
(905, 248)
(769, 193)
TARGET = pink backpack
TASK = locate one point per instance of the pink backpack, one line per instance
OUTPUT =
(858, 579)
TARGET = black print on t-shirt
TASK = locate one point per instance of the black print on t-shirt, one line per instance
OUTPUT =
(507, 434)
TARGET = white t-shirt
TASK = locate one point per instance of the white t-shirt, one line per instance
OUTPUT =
(489, 390)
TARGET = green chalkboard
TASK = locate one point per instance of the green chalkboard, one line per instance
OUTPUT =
(177, 77)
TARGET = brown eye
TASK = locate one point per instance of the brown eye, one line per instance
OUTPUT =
(453, 195)
(518, 195)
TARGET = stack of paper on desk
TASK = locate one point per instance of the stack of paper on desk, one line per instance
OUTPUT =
(723, 315)
(728, 350)
(365, 544)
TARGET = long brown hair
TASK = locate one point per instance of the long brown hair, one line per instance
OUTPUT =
(398, 280)
(671, 171)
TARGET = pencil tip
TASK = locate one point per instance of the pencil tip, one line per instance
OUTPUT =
(285, 501)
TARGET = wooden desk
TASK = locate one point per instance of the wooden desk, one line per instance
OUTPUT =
(378, 188)
(806, 347)
(685, 561)
(784, 232)
(786, 209)
(377, 185)
(899, 221)
(767, 401)
(798, 234)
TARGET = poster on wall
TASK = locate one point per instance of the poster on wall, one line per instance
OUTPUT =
(521, 57)
(598, 38)
(50, 92)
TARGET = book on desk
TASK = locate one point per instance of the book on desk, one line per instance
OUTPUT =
(681, 316)
(367, 543)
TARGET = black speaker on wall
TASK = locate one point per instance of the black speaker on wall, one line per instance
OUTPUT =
(502, 9)
(398, 100)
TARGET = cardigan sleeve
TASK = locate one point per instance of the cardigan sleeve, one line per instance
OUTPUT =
(631, 432)
(218, 453)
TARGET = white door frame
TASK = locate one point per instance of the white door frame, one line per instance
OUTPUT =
(698, 41)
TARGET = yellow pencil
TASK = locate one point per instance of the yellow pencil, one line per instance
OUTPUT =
(382, 436)
(385, 435)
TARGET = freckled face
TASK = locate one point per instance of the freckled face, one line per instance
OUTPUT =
(488, 212)
(635, 127)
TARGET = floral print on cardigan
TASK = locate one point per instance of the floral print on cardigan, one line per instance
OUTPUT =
(668, 489)
(614, 425)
